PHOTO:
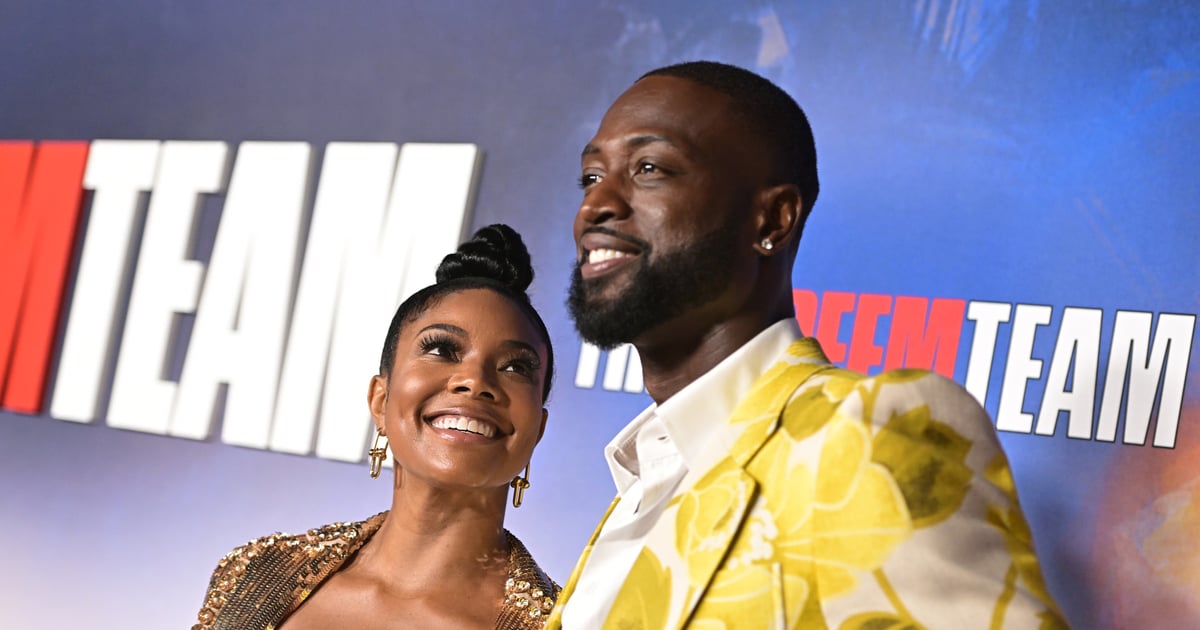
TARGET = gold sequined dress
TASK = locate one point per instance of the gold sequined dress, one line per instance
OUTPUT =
(257, 585)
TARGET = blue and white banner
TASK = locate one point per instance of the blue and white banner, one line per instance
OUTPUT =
(208, 212)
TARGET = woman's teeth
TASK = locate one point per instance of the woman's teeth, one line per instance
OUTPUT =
(468, 425)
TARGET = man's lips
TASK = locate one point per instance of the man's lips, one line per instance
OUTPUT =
(602, 250)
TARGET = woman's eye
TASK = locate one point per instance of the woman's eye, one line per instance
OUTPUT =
(523, 368)
(439, 348)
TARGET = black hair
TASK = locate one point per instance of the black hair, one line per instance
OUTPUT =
(774, 115)
(495, 258)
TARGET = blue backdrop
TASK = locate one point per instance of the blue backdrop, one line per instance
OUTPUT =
(975, 150)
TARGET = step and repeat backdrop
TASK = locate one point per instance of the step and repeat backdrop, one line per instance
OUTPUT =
(208, 212)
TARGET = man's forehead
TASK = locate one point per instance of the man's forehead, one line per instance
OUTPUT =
(664, 109)
(667, 96)
(634, 140)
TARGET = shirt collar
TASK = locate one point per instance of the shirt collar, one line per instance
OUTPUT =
(693, 414)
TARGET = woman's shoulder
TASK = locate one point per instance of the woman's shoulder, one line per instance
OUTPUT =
(332, 538)
(289, 564)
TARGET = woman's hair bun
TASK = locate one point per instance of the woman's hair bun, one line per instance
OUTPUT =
(495, 252)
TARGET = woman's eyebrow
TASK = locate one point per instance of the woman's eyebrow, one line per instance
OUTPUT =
(450, 328)
(521, 345)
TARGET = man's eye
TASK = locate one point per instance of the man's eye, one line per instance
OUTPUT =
(587, 179)
(646, 168)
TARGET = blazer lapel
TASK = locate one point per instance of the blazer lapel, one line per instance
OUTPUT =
(709, 515)
(714, 503)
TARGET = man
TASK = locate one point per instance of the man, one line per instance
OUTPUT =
(765, 488)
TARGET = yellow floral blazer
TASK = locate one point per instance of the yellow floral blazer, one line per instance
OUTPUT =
(840, 501)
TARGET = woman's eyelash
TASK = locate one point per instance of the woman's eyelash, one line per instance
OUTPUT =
(527, 365)
(446, 344)
(443, 345)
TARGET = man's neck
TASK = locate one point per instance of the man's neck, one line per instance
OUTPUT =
(672, 362)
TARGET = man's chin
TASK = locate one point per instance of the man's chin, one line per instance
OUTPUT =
(600, 337)
(606, 288)
(602, 296)
(606, 310)
(599, 323)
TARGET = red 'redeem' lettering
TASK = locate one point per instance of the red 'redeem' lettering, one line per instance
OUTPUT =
(864, 354)
(912, 343)
(40, 194)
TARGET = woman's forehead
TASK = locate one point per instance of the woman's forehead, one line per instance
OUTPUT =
(479, 312)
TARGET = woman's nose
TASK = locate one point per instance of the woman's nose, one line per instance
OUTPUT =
(474, 380)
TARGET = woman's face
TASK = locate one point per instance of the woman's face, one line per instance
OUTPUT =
(463, 405)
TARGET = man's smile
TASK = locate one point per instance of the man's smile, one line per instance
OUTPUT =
(603, 250)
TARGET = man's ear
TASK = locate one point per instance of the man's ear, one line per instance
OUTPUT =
(780, 218)
(377, 401)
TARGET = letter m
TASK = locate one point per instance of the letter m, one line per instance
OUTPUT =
(40, 195)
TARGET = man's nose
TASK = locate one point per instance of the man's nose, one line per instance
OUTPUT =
(604, 201)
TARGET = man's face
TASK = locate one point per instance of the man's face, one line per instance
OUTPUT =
(666, 225)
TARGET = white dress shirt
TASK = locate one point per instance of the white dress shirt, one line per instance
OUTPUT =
(651, 456)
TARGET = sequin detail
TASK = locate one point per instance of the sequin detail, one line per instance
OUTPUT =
(257, 585)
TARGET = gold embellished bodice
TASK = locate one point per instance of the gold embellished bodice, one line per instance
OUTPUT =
(257, 585)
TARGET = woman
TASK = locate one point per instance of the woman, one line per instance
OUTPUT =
(465, 369)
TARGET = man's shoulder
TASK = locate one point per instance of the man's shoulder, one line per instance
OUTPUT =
(916, 388)
(893, 392)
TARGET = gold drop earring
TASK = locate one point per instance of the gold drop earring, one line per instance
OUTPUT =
(520, 485)
(377, 454)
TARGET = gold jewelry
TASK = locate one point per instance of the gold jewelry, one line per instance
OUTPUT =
(767, 244)
(377, 454)
(520, 485)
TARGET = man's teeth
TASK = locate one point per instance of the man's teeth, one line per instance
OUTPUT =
(459, 423)
(601, 255)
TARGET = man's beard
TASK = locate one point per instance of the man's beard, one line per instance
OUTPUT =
(658, 291)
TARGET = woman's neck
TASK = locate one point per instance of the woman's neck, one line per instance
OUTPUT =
(434, 536)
